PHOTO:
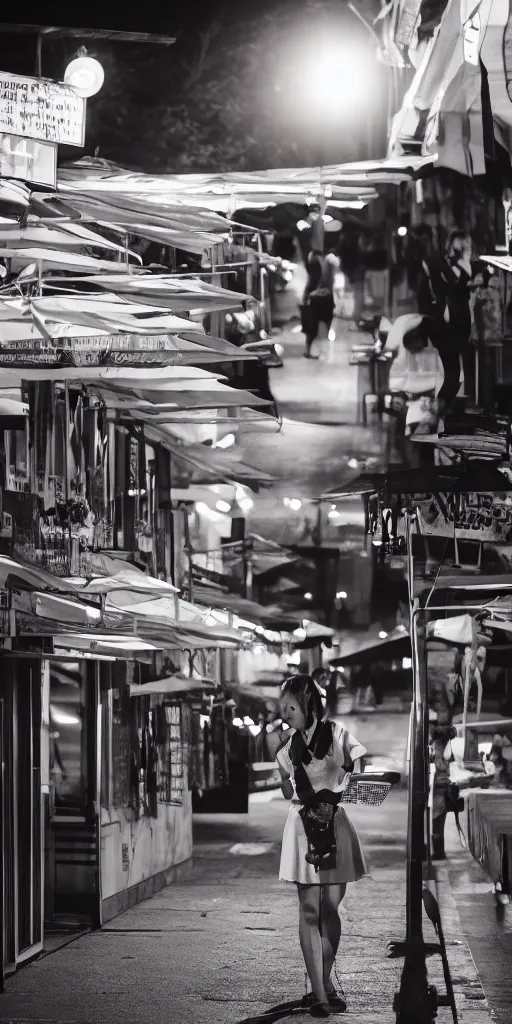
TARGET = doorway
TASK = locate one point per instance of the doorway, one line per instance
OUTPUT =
(72, 850)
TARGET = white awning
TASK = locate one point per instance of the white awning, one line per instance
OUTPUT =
(171, 685)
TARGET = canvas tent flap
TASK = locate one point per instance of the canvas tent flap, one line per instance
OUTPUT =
(396, 645)
(171, 686)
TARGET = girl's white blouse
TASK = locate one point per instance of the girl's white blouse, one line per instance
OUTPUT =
(326, 772)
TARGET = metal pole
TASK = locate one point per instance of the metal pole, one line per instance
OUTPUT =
(416, 1000)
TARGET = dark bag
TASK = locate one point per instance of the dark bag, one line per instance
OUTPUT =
(318, 820)
(319, 809)
(454, 805)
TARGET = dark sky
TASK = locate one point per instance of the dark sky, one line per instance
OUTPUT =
(166, 18)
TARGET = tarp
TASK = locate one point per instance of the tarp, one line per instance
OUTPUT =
(65, 236)
(210, 465)
(56, 259)
(167, 291)
(19, 575)
(172, 685)
(356, 652)
(129, 580)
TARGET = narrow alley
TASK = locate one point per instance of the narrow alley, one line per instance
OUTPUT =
(219, 945)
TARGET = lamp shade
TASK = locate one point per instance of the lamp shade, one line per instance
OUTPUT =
(85, 76)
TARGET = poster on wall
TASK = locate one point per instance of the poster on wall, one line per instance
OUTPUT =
(28, 160)
(36, 108)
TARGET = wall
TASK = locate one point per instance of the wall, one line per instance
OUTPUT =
(150, 846)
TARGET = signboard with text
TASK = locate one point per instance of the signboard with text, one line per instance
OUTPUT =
(28, 160)
(36, 108)
(106, 350)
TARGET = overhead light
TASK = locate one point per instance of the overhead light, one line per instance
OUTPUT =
(295, 504)
(353, 463)
(205, 510)
(225, 442)
(84, 75)
(406, 662)
(308, 596)
(382, 634)
(63, 718)
(341, 595)
(286, 501)
(402, 231)
(223, 506)
(333, 508)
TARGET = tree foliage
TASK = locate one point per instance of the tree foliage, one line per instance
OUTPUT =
(221, 98)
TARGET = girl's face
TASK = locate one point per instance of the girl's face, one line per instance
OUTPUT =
(292, 714)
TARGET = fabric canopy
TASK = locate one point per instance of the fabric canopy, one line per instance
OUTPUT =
(20, 576)
(129, 580)
(396, 645)
(171, 685)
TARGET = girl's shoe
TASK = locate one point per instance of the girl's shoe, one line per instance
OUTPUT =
(337, 1002)
(319, 1010)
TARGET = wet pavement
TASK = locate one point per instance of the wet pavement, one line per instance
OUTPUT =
(486, 924)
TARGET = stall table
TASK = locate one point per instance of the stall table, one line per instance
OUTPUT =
(489, 826)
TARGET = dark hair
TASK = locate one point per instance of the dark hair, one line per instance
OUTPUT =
(414, 335)
(455, 235)
(307, 695)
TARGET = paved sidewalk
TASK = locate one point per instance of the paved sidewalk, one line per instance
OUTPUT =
(482, 927)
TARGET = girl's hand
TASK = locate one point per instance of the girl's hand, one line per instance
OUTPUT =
(286, 783)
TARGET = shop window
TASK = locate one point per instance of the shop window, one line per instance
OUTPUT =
(121, 763)
(68, 735)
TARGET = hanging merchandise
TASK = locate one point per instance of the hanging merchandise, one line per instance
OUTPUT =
(219, 746)
(196, 764)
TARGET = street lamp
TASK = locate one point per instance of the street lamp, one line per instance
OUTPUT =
(84, 74)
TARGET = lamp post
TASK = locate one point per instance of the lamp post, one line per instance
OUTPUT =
(416, 1000)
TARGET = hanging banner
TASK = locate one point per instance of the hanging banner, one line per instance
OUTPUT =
(29, 161)
(36, 108)
(94, 350)
(483, 518)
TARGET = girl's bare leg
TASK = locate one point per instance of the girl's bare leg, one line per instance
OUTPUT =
(330, 928)
(310, 938)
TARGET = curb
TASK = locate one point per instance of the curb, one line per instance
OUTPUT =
(470, 997)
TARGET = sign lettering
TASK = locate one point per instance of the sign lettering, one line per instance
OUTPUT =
(36, 108)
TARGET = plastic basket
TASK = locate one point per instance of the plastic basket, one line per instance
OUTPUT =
(369, 794)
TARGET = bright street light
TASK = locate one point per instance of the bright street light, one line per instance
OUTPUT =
(84, 75)
(382, 634)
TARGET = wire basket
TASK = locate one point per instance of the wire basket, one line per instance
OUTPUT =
(370, 794)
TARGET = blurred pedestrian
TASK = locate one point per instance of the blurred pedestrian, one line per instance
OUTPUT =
(318, 304)
(425, 270)
(456, 272)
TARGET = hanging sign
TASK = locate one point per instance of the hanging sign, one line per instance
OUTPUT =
(29, 161)
(483, 518)
(94, 350)
(36, 108)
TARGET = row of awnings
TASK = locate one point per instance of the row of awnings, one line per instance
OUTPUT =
(460, 97)
(137, 613)
(113, 194)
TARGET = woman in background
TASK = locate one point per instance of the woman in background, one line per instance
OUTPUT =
(456, 272)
